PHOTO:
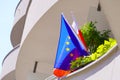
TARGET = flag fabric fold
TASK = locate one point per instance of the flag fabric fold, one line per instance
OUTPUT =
(79, 33)
(69, 48)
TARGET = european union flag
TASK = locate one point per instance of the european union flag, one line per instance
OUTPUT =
(69, 47)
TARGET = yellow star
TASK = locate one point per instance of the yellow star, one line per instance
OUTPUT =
(67, 43)
(67, 49)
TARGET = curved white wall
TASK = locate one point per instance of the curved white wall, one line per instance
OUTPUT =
(9, 63)
(37, 9)
(40, 37)
(21, 10)
(19, 22)
(42, 32)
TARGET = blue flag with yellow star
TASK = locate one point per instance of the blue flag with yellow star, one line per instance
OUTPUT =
(69, 47)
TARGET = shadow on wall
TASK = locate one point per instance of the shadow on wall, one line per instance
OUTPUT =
(98, 16)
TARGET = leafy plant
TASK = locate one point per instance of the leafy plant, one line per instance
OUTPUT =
(101, 50)
(93, 37)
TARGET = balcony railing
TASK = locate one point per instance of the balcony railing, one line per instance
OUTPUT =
(17, 6)
(9, 62)
(10, 53)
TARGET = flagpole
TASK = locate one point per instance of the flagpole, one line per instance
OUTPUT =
(73, 17)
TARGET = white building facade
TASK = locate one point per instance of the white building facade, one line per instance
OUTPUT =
(35, 37)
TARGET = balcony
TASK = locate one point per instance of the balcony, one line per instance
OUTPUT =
(41, 42)
(9, 64)
(42, 26)
(103, 68)
(19, 22)
(21, 9)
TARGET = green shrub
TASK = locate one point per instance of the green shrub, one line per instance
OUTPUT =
(93, 37)
(101, 50)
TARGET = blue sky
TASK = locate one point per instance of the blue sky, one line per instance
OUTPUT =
(7, 8)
